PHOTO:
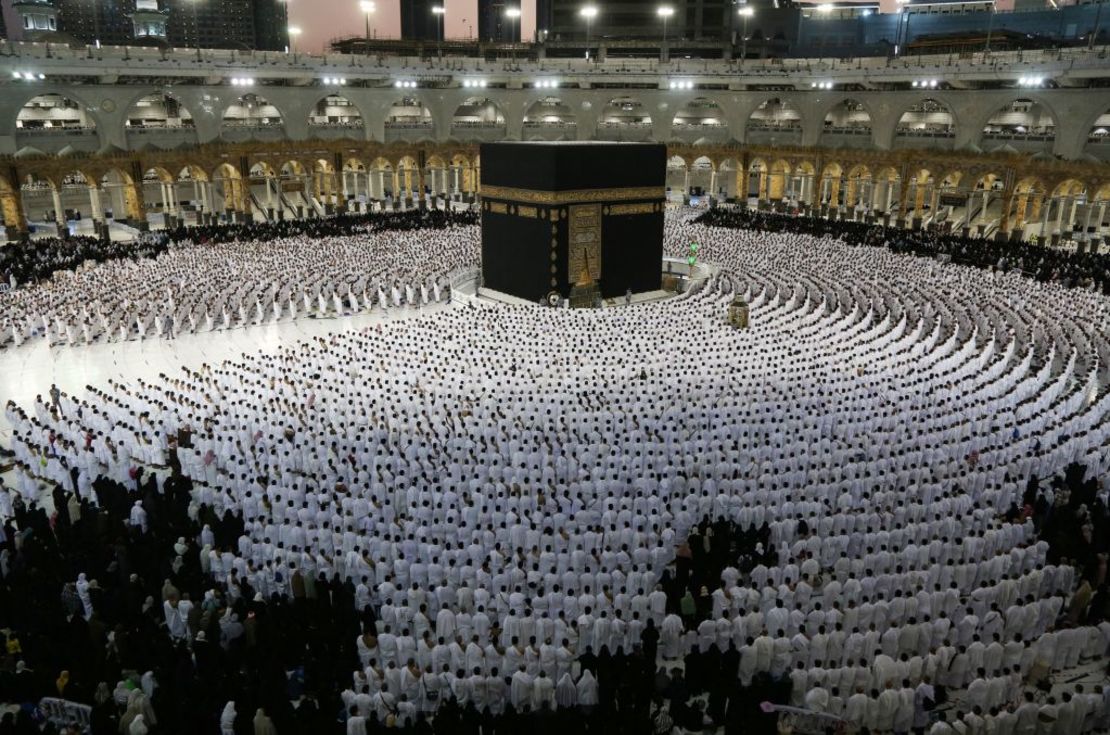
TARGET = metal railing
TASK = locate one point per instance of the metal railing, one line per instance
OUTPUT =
(142, 61)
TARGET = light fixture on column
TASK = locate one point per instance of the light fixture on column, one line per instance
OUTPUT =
(513, 14)
(666, 12)
(588, 13)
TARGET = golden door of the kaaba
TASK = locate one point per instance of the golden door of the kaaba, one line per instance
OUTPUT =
(584, 244)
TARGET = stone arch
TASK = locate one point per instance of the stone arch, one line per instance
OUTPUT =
(435, 175)
(55, 122)
(157, 174)
(39, 194)
(464, 174)
(774, 121)
(831, 177)
(887, 183)
(926, 123)
(1021, 119)
(857, 186)
(702, 118)
(192, 172)
(406, 176)
(1069, 188)
(252, 116)
(293, 167)
(624, 118)
(324, 184)
(984, 191)
(919, 187)
(550, 118)
(1028, 198)
(262, 169)
(161, 118)
(778, 174)
(54, 111)
(758, 171)
(74, 189)
(728, 178)
(677, 173)
(1098, 135)
(334, 115)
(477, 117)
(849, 120)
(409, 118)
(988, 181)
(379, 177)
(805, 178)
(11, 210)
(703, 174)
(1061, 206)
(119, 195)
(229, 187)
(951, 179)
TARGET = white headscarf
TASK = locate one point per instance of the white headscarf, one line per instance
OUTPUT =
(566, 695)
(227, 719)
(587, 689)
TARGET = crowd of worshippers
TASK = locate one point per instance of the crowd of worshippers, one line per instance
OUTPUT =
(319, 268)
(1069, 268)
(37, 260)
(343, 225)
(747, 500)
(145, 639)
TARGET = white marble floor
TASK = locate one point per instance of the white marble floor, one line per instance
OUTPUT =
(29, 370)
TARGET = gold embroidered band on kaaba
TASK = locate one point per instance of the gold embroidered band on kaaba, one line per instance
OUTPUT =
(532, 196)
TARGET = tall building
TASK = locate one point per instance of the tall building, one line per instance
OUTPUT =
(106, 21)
(31, 19)
(241, 24)
(418, 22)
(212, 23)
(691, 19)
(271, 25)
(149, 21)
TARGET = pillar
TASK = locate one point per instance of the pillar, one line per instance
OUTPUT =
(1005, 224)
(59, 214)
(94, 202)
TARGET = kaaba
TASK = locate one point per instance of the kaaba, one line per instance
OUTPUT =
(572, 218)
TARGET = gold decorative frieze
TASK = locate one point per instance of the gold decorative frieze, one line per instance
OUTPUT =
(499, 207)
(532, 196)
(523, 211)
(641, 208)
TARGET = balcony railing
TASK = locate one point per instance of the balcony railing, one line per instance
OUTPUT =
(918, 133)
(55, 131)
(132, 61)
(1008, 135)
